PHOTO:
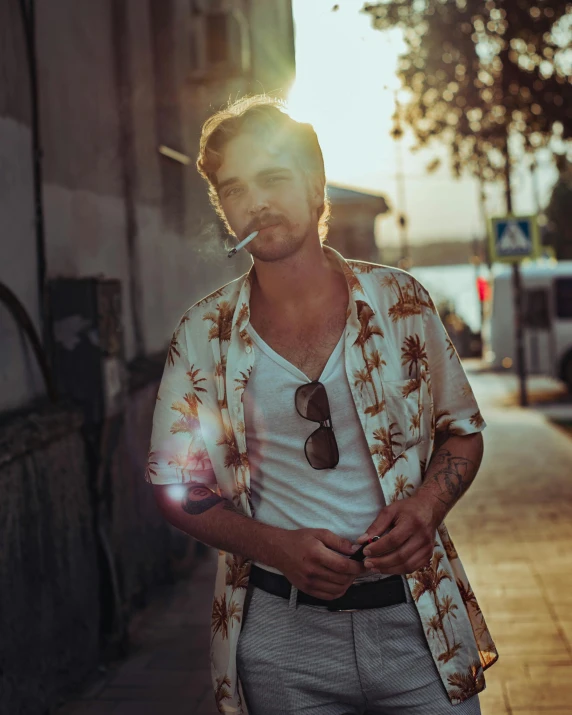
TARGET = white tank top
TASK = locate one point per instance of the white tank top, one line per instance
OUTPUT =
(286, 491)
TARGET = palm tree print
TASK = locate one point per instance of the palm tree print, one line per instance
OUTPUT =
(243, 381)
(450, 347)
(189, 420)
(364, 267)
(212, 296)
(467, 684)
(409, 301)
(222, 691)
(243, 313)
(434, 628)
(174, 344)
(477, 420)
(362, 379)
(448, 608)
(403, 488)
(221, 320)
(388, 440)
(374, 361)
(173, 349)
(237, 572)
(199, 459)
(223, 615)
(413, 354)
(366, 333)
(192, 375)
(429, 582)
(179, 461)
(352, 280)
(447, 542)
(149, 471)
(232, 458)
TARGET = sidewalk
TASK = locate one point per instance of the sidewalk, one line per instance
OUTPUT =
(513, 530)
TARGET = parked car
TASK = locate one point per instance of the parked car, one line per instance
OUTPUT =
(547, 318)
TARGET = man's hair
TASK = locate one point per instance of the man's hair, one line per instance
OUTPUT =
(264, 115)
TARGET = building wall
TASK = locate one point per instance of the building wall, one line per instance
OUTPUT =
(83, 541)
(114, 85)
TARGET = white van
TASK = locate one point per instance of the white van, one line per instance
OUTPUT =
(547, 314)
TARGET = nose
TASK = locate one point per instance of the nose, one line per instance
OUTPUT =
(258, 202)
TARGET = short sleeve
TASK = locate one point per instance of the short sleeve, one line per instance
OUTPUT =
(177, 451)
(455, 407)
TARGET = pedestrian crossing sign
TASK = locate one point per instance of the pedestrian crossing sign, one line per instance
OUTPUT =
(512, 238)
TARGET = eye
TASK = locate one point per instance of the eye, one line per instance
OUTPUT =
(233, 192)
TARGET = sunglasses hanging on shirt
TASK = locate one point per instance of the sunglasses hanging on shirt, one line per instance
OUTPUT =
(321, 448)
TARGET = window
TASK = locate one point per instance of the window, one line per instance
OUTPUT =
(219, 39)
(563, 295)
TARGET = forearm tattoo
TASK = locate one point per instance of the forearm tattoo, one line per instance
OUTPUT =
(453, 476)
(199, 498)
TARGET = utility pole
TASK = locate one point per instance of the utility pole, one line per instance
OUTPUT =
(517, 289)
(404, 262)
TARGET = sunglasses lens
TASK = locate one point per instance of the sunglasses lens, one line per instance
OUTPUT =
(312, 402)
(321, 449)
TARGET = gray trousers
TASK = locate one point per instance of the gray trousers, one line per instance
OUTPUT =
(305, 660)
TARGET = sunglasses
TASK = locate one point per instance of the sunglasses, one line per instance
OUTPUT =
(312, 404)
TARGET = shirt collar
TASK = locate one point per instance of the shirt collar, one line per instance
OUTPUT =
(241, 317)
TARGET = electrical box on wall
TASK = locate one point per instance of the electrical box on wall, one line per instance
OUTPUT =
(89, 358)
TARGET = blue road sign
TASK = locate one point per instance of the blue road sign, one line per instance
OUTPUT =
(513, 238)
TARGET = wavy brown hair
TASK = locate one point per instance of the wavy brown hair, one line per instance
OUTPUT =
(262, 114)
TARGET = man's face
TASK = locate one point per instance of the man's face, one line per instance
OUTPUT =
(262, 187)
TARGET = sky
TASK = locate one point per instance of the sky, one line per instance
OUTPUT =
(345, 86)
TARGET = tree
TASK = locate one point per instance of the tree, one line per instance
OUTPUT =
(558, 232)
(481, 70)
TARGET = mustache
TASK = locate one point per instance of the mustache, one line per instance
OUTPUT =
(259, 224)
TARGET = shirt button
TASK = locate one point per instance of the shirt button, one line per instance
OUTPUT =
(248, 349)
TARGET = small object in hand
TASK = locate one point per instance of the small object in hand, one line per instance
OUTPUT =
(359, 555)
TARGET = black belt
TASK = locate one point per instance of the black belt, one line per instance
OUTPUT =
(369, 594)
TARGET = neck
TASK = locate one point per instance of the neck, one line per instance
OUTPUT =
(298, 283)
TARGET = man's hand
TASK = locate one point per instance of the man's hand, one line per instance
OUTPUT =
(408, 546)
(308, 559)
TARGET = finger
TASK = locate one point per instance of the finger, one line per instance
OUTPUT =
(339, 564)
(390, 542)
(395, 558)
(411, 553)
(323, 575)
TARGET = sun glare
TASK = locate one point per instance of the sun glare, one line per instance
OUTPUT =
(345, 79)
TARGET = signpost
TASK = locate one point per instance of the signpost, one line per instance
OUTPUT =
(511, 239)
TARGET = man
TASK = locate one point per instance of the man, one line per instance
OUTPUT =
(306, 406)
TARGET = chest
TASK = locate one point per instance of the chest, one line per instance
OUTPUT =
(309, 345)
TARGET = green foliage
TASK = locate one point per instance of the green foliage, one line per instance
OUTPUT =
(481, 70)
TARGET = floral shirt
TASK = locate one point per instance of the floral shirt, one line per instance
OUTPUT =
(407, 383)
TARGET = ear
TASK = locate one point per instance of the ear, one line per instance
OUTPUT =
(316, 187)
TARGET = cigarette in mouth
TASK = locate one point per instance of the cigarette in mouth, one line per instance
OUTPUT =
(242, 244)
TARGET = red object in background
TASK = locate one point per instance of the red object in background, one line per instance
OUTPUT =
(483, 289)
